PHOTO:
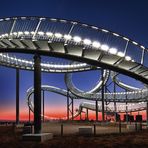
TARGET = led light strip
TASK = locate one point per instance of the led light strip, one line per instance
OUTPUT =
(45, 65)
(74, 23)
(120, 108)
(67, 37)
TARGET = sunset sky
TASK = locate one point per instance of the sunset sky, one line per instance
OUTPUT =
(127, 17)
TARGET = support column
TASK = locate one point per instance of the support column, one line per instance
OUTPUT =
(17, 96)
(70, 107)
(102, 97)
(106, 111)
(80, 117)
(67, 107)
(87, 114)
(147, 113)
(96, 110)
(115, 107)
(37, 94)
(43, 107)
(126, 109)
(38, 135)
(29, 114)
(106, 102)
(126, 113)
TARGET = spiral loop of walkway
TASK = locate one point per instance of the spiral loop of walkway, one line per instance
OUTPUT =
(132, 107)
(138, 95)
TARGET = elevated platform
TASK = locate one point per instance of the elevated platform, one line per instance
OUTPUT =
(85, 130)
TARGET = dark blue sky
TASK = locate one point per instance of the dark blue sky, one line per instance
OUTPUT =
(127, 17)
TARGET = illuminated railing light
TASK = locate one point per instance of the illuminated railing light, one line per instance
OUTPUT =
(40, 33)
(85, 25)
(20, 33)
(115, 34)
(135, 43)
(127, 58)
(15, 33)
(125, 38)
(105, 30)
(26, 61)
(53, 19)
(142, 47)
(42, 18)
(58, 35)
(94, 27)
(133, 60)
(7, 19)
(11, 58)
(67, 37)
(49, 34)
(30, 62)
(26, 32)
(120, 54)
(63, 21)
(75, 23)
(104, 47)
(77, 39)
(23, 17)
(32, 32)
(19, 60)
(6, 35)
(113, 50)
(87, 41)
(96, 44)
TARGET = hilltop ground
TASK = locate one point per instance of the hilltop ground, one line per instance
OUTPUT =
(12, 139)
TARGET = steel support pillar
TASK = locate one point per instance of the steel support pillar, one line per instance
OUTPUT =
(70, 107)
(81, 116)
(17, 96)
(72, 110)
(29, 114)
(96, 110)
(126, 113)
(106, 111)
(147, 113)
(37, 94)
(126, 109)
(115, 106)
(102, 92)
(87, 114)
(106, 102)
(43, 105)
(67, 107)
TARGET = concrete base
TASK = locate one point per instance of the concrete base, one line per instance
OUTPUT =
(28, 130)
(132, 127)
(37, 137)
(19, 125)
(86, 130)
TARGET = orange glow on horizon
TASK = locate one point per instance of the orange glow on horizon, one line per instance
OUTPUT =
(92, 116)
